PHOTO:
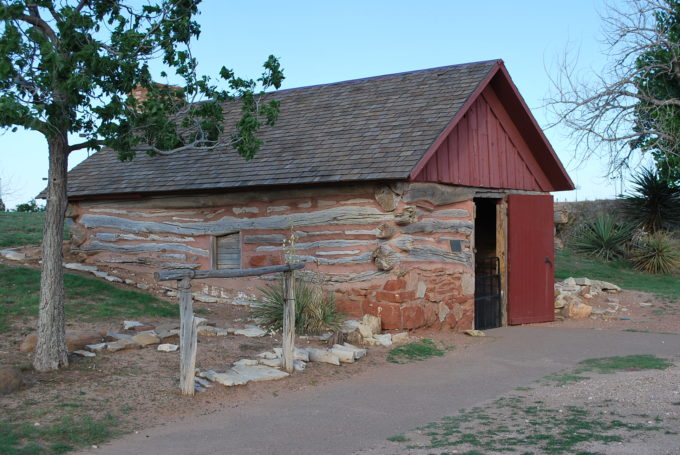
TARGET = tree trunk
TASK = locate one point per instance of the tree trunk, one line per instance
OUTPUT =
(50, 352)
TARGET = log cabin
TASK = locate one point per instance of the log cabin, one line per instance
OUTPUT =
(421, 197)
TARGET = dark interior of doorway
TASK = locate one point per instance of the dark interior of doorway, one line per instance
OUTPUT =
(487, 266)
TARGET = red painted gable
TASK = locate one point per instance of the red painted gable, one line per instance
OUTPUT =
(494, 143)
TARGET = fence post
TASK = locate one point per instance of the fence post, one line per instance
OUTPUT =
(289, 321)
(187, 337)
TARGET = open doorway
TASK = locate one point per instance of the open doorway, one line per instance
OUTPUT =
(488, 312)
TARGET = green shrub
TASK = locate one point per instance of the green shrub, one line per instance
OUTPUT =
(656, 253)
(315, 311)
(30, 207)
(603, 237)
(654, 204)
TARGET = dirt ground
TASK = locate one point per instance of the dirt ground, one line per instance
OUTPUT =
(141, 386)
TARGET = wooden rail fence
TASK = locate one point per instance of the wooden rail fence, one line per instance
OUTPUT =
(189, 326)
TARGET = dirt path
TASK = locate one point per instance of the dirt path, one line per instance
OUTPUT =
(345, 417)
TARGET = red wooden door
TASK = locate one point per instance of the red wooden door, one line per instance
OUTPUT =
(531, 257)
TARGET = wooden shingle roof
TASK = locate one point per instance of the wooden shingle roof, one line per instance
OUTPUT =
(361, 130)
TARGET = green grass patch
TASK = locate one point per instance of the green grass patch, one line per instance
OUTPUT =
(516, 425)
(18, 229)
(60, 436)
(606, 365)
(398, 438)
(415, 351)
(87, 299)
(569, 264)
(610, 365)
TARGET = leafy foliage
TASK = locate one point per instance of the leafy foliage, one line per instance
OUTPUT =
(656, 253)
(654, 203)
(632, 103)
(315, 311)
(603, 237)
(71, 67)
(656, 122)
(30, 207)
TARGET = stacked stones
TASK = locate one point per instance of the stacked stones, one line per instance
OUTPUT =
(571, 293)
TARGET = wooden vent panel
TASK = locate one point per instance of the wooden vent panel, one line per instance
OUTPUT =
(229, 251)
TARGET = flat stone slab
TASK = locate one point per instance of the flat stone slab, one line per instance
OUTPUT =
(96, 347)
(323, 356)
(385, 339)
(146, 339)
(251, 331)
(242, 374)
(85, 353)
(167, 347)
(12, 255)
(259, 373)
(80, 267)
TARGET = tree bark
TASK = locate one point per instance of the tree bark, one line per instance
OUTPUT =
(50, 352)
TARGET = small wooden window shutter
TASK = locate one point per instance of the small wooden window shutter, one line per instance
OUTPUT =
(227, 251)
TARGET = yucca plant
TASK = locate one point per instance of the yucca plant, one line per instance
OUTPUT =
(654, 203)
(656, 253)
(315, 311)
(603, 237)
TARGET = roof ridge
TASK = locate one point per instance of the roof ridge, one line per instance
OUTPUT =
(383, 76)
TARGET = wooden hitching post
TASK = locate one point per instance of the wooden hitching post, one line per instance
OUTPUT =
(187, 337)
(289, 321)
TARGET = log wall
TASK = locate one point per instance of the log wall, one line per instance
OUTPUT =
(383, 250)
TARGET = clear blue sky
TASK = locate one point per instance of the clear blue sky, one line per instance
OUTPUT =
(328, 41)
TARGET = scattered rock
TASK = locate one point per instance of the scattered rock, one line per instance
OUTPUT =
(268, 355)
(646, 304)
(246, 362)
(344, 355)
(167, 347)
(251, 331)
(299, 365)
(168, 336)
(385, 339)
(74, 341)
(10, 379)
(357, 352)
(577, 310)
(82, 353)
(202, 382)
(323, 356)
(400, 337)
(129, 325)
(114, 336)
(13, 255)
(274, 363)
(145, 339)
(298, 354)
(80, 267)
(612, 300)
(206, 331)
(120, 345)
(475, 333)
(144, 328)
(239, 375)
(200, 321)
(582, 281)
(99, 347)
